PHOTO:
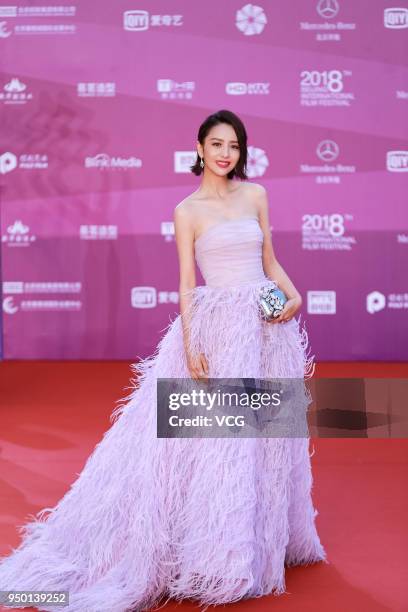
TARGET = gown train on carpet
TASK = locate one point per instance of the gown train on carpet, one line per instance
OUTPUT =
(215, 519)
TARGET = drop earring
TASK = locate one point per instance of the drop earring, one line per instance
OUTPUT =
(202, 162)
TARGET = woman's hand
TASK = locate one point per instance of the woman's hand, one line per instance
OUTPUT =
(289, 310)
(197, 365)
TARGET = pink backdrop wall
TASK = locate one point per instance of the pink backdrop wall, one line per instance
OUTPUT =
(100, 105)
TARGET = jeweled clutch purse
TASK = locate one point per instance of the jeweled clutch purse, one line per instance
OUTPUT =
(271, 302)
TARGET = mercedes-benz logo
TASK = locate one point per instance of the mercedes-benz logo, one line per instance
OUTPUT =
(327, 150)
(327, 8)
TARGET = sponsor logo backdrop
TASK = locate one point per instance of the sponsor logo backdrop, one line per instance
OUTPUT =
(100, 106)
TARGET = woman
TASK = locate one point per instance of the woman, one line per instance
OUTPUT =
(211, 519)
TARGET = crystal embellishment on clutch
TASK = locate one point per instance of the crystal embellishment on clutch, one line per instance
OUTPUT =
(271, 302)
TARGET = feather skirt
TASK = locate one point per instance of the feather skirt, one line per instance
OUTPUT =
(215, 520)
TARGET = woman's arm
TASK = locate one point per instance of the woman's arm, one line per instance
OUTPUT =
(184, 233)
(271, 265)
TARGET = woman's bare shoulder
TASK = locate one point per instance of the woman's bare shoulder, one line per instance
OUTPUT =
(187, 208)
(256, 188)
(259, 197)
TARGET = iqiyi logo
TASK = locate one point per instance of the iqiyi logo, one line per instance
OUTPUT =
(375, 302)
(8, 161)
(136, 20)
(397, 161)
(250, 19)
(396, 18)
(143, 297)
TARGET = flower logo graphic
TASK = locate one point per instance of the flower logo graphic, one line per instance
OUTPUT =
(257, 162)
(250, 19)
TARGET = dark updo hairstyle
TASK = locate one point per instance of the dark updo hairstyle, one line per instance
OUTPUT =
(225, 116)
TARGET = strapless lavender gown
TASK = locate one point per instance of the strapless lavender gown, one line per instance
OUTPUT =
(211, 519)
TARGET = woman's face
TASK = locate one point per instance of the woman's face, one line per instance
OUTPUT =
(221, 149)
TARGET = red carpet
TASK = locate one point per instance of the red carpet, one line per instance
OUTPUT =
(53, 414)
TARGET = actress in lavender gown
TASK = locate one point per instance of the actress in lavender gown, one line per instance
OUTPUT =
(215, 519)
